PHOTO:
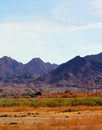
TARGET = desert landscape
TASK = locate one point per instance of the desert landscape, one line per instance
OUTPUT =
(51, 114)
(50, 64)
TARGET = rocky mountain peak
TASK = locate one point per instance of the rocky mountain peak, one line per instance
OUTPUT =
(76, 74)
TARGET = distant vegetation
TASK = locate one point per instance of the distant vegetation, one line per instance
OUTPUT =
(57, 102)
(38, 94)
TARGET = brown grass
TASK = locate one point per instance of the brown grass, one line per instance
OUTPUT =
(16, 109)
(70, 95)
(48, 109)
(57, 118)
(86, 123)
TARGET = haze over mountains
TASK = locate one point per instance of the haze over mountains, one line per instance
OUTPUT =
(78, 74)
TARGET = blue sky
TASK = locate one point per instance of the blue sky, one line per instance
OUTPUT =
(54, 30)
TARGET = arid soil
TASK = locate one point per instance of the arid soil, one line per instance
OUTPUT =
(58, 118)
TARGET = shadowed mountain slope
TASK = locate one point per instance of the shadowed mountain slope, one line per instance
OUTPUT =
(12, 71)
(78, 74)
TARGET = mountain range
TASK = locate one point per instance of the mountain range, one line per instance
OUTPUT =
(11, 71)
(77, 74)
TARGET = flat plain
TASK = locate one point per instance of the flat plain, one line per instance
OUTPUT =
(25, 117)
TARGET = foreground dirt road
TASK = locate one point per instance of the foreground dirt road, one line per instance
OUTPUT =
(58, 118)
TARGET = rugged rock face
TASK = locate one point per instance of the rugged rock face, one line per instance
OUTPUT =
(78, 74)
(9, 67)
(12, 71)
(37, 67)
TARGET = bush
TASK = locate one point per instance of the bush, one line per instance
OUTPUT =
(57, 102)
(38, 93)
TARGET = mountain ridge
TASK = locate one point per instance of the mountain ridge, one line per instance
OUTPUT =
(12, 70)
(78, 74)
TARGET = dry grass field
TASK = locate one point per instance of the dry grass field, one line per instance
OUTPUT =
(47, 118)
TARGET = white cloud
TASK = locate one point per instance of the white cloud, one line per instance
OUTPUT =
(97, 6)
(64, 29)
(93, 48)
(97, 25)
(25, 40)
(72, 12)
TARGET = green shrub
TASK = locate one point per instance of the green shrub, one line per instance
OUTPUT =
(92, 101)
